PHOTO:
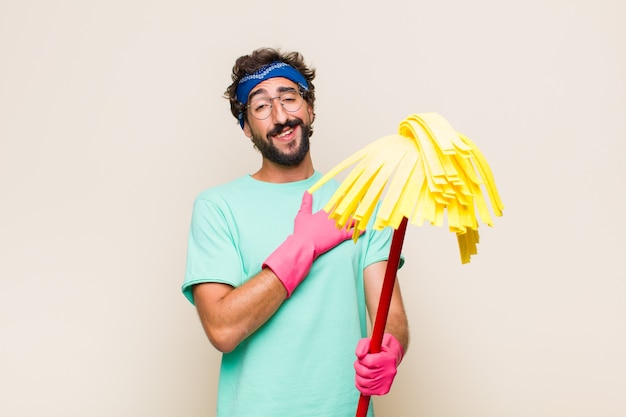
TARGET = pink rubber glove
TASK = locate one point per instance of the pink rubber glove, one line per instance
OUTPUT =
(375, 371)
(313, 235)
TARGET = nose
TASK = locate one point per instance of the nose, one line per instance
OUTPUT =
(279, 114)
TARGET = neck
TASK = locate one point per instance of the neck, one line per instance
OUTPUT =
(272, 172)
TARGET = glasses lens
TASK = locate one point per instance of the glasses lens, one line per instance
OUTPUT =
(291, 101)
(260, 107)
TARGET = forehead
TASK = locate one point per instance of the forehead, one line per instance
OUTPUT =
(273, 85)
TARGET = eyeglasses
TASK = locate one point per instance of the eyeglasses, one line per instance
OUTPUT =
(261, 106)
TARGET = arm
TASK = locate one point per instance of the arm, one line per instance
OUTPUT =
(229, 314)
(397, 323)
(375, 371)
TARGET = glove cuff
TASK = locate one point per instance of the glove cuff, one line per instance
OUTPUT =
(291, 262)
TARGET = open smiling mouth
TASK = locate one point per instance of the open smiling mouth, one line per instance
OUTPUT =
(284, 133)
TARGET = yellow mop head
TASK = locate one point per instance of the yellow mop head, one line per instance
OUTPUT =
(431, 169)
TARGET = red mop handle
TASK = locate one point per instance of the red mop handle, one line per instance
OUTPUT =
(384, 302)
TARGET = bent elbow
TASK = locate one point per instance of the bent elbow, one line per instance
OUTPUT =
(223, 346)
(222, 340)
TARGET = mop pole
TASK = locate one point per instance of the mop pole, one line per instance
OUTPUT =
(384, 302)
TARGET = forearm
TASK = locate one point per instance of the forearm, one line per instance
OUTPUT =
(396, 323)
(229, 315)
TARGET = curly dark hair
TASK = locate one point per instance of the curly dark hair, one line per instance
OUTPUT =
(249, 64)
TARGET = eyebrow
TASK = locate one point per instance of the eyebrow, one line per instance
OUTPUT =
(281, 89)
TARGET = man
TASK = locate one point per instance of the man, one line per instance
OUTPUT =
(279, 289)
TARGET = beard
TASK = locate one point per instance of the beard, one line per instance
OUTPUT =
(272, 153)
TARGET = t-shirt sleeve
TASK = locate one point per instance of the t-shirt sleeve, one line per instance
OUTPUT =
(212, 254)
(379, 244)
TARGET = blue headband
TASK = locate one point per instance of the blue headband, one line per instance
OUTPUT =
(273, 70)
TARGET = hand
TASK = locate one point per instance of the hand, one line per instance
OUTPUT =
(313, 235)
(317, 228)
(375, 371)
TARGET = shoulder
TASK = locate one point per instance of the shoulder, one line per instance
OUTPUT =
(224, 192)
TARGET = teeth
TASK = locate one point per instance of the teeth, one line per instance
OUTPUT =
(285, 133)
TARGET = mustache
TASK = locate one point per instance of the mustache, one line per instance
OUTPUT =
(288, 124)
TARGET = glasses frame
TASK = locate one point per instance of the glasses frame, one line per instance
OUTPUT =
(271, 101)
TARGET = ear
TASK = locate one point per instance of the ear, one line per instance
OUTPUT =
(246, 130)
(311, 114)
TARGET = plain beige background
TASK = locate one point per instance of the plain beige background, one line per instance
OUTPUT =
(112, 120)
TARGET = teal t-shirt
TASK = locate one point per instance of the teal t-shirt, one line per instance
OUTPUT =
(300, 362)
